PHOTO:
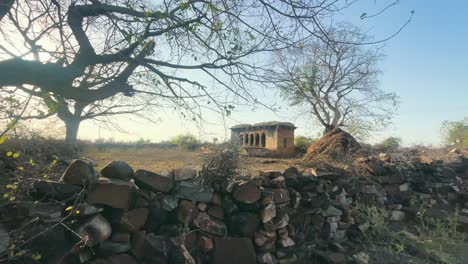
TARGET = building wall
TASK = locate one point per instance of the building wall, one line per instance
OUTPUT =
(274, 138)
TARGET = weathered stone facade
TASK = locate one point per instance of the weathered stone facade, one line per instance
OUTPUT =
(260, 139)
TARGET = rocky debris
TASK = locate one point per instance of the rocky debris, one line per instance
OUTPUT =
(114, 193)
(94, 230)
(210, 225)
(134, 219)
(183, 174)
(234, 250)
(186, 212)
(117, 170)
(79, 172)
(195, 192)
(278, 217)
(247, 193)
(335, 144)
(153, 181)
(268, 213)
(361, 258)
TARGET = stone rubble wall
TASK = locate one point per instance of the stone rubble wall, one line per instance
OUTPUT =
(124, 216)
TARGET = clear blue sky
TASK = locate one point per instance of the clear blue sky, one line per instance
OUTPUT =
(426, 65)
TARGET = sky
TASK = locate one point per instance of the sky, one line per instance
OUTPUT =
(426, 64)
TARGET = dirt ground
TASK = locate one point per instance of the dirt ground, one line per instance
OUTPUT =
(156, 159)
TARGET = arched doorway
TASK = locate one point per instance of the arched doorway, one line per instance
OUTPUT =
(251, 139)
(263, 140)
(241, 139)
(257, 139)
(246, 140)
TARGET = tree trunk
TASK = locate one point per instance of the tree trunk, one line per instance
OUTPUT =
(327, 129)
(71, 127)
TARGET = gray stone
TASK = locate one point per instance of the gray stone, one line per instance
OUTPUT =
(183, 174)
(332, 211)
(95, 230)
(397, 216)
(153, 181)
(210, 225)
(361, 258)
(117, 169)
(247, 193)
(114, 193)
(266, 258)
(169, 202)
(79, 172)
(268, 213)
(194, 192)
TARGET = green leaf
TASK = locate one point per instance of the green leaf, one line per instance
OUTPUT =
(184, 6)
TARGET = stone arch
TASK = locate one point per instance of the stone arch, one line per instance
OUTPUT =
(257, 139)
(263, 139)
(246, 139)
(251, 139)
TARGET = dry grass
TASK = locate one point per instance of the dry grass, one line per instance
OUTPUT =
(157, 159)
(153, 159)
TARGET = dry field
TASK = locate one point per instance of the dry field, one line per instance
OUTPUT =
(158, 159)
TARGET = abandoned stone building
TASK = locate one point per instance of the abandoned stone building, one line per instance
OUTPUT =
(265, 139)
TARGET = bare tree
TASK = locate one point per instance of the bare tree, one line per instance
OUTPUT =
(337, 83)
(85, 59)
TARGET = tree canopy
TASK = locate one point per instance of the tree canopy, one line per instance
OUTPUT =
(337, 83)
(91, 59)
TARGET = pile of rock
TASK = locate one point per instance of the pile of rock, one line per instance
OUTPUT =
(404, 186)
(127, 216)
(124, 216)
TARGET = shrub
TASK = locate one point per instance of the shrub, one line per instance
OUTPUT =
(220, 164)
(388, 144)
(185, 141)
(302, 143)
(456, 133)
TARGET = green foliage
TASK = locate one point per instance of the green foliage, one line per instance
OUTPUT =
(435, 239)
(302, 143)
(456, 133)
(388, 144)
(185, 141)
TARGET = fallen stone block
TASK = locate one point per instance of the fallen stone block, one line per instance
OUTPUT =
(210, 225)
(117, 169)
(194, 192)
(183, 174)
(186, 212)
(153, 181)
(94, 230)
(79, 172)
(247, 193)
(216, 212)
(114, 193)
(268, 213)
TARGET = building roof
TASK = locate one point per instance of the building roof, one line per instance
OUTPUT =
(265, 124)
